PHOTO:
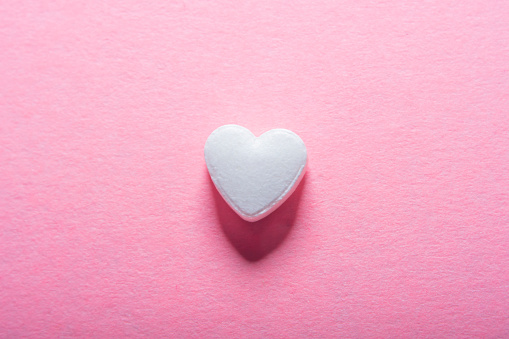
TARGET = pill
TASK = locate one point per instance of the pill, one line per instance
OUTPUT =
(255, 175)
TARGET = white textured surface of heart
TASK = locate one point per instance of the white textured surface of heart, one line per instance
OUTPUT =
(255, 175)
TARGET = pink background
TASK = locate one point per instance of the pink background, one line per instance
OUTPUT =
(110, 226)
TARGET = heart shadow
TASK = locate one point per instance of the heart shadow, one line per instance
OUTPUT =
(254, 240)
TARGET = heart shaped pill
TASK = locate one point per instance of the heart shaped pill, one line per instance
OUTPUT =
(255, 175)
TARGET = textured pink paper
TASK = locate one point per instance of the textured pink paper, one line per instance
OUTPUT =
(109, 224)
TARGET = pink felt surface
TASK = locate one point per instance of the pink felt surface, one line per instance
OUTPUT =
(109, 224)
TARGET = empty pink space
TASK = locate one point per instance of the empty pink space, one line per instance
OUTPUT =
(109, 224)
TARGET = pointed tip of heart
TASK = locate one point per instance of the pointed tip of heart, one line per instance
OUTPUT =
(264, 213)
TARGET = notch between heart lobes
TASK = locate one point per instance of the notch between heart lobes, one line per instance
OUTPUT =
(255, 175)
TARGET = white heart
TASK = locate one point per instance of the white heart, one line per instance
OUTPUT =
(255, 175)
